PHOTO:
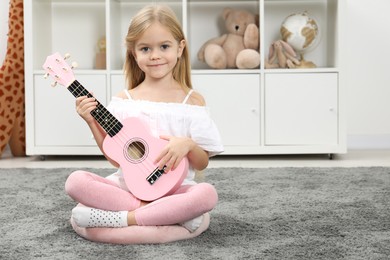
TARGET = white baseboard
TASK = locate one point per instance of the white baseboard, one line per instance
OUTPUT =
(368, 142)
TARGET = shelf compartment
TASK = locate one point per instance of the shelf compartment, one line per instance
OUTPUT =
(67, 27)
(205, 22)
(324, 55)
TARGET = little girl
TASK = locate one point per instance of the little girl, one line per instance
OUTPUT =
(157, 69)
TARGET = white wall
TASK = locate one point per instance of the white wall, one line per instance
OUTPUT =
(368, 106)
(368, 74)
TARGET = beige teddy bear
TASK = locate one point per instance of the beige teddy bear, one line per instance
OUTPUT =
(239, 48)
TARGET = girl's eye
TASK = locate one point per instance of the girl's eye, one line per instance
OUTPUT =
(164, 46)
(145, 49)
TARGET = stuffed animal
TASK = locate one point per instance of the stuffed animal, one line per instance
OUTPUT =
(12, 120)
(239, 47)
(281, 55)
(100, 58)
(304, 64)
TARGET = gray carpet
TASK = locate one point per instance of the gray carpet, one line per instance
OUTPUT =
(275, 213)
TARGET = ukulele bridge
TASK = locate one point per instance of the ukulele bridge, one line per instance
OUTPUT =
(155, 175)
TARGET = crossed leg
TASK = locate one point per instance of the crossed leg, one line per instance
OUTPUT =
(101, 194)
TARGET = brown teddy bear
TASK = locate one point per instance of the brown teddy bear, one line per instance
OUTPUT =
(239, 48)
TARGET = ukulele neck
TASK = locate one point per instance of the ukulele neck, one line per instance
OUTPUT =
(106, 120)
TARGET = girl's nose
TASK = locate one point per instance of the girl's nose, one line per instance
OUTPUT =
(155, 54)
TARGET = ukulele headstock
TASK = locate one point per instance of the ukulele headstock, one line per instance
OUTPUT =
(56, 67)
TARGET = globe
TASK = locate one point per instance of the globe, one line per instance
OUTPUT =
(300, 31)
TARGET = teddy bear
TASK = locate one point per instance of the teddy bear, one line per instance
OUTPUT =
(239, 47)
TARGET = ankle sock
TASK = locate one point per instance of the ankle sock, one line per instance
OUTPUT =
(193, 224)
(90, 217)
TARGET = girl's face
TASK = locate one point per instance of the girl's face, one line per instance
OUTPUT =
(157, 51)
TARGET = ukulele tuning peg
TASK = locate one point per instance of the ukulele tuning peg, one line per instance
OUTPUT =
(67, 56)
(46, 76)
(74, 65)
(53, 84)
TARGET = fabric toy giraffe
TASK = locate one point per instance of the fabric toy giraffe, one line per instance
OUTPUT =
(12, 121)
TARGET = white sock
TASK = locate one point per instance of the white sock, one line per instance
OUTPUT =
(193, 224)
(90, 217)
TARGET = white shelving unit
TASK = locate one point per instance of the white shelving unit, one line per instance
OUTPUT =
(259, 111)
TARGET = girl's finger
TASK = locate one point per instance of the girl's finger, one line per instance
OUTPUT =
(170, 164)
(177, 162)
(160, 156)
(79, 99)
(163, 160)
(165, 137)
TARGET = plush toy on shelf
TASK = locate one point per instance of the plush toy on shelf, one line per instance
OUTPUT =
(239, 47)
(281, 55)
(100, 60)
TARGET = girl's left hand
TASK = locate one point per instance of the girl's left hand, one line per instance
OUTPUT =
(176, 149)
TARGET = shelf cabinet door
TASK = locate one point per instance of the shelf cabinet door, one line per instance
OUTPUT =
(301, 109)
(234, 106)
(56, 120)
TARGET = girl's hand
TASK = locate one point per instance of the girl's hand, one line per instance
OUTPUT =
(176, 149)
(84, 106)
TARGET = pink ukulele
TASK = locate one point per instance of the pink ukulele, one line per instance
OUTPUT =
(129, 143)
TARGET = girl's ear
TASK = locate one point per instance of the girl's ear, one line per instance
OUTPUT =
(182, 45)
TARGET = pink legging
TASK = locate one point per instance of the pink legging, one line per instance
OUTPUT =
(188, 202)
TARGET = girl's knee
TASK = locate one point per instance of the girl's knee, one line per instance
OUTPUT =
(73, 182)
(209, 194)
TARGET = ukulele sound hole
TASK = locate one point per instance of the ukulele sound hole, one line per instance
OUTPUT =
(136, 150)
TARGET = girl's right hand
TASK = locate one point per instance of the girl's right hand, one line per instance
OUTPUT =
(84, 106)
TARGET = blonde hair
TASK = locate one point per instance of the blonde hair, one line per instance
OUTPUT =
(139, 24)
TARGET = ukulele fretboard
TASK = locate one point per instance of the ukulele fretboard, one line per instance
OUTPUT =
(106, 120)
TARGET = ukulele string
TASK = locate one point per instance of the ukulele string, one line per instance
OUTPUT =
(122, 139)
(148, 164)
